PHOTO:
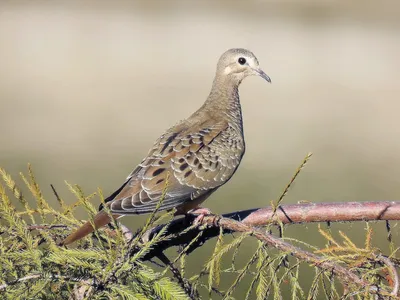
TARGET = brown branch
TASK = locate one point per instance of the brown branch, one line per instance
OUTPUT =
(326, 212)
(48, 227)
(345, 275)
(182, 232)
(37, 276)
(393, 272)
(247, 221)
(286, 214)
(29, 277)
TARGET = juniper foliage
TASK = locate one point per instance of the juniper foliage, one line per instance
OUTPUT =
(107, 265)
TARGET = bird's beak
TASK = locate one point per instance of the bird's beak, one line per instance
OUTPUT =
(261, 73)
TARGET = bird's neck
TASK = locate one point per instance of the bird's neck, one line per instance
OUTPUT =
(224, 100)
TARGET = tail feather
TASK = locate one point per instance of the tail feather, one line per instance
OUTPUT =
(99, 220)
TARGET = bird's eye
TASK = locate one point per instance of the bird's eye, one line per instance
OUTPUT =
(242, 60)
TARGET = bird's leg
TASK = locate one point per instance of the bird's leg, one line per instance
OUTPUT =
(126, 232)
(200, 213)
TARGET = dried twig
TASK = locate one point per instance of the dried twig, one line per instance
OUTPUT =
(286, 214)
(48, 227)
(345, 275)
(393, 272)
(54, 276)
(29, 277)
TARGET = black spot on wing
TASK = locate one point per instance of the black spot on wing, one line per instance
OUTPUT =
(169, 140)
(183, 166)
(158, 171)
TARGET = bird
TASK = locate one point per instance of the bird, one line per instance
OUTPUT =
(192, 159)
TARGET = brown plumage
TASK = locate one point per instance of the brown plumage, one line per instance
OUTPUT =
(200, 154)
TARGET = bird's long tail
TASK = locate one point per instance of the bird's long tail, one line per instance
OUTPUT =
(99, 220)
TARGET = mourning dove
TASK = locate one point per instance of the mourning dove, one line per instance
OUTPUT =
(200, 153)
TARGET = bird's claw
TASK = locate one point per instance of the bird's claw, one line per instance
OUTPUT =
(200, 213)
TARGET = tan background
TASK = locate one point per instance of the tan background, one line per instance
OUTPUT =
(86, 88)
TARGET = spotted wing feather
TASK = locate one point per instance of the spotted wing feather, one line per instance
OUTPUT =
(184, 165)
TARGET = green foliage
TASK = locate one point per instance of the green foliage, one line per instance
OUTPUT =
(107, 266)
(33, 266)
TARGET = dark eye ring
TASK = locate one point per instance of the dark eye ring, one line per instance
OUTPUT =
(242, 60)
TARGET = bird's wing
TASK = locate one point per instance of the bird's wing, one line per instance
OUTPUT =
(184, 163)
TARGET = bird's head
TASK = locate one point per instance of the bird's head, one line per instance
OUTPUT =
(236, 64)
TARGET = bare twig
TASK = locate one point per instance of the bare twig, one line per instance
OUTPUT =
(345, 275)
(48, 227)
(393, 272)
(29, 277)
(286, 214)
(36, 276)
(327, 212)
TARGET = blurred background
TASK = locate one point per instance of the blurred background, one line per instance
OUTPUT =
(86, 88)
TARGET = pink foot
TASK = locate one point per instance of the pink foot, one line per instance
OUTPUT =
(200, 212)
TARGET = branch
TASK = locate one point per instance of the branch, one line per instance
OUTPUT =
(182, 232)
(48, 227)
(29, 277)
(393, 272)
(345, 275)
(325, 212)
(36, 276)
(286, 214)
